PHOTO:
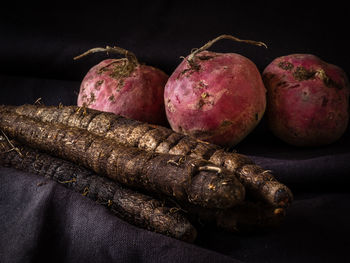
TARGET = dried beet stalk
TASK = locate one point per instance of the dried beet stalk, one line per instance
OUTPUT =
(136, 208)
(185, 179)
(259, 183)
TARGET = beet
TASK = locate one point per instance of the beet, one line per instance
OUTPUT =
(215, 97)
(308, 100)
(124, 87)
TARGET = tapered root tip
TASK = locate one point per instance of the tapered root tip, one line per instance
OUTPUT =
(188, 233)
(262, 44)
(283, 197)
(172, 223)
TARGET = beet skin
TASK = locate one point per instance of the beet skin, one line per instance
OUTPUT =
(132, 90)
(217, 97)
(308, 100)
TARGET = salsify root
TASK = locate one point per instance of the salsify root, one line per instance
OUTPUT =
(259, 183)
(136, 208)
(129, 166)
(162, 216)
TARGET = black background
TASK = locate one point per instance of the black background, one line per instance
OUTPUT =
(37, 44)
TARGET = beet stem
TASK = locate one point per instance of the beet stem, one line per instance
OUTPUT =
(115, 49)
(211, 42)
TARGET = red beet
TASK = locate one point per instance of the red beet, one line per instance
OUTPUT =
(308, 100)
(125, 87)
(216, 97)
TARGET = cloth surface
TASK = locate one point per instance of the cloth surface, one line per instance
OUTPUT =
(41, 221)
(49, 223)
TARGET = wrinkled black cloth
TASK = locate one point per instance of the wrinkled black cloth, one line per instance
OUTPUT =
(42, 221)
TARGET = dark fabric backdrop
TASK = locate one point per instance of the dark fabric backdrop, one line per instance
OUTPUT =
(50, 223)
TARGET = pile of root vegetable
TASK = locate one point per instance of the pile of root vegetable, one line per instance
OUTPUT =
(113, 147)
(148, 175)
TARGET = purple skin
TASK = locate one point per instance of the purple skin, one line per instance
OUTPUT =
(307, 100)
(221, 101)
(135, 94)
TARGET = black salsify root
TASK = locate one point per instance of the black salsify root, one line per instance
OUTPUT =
(136, 208)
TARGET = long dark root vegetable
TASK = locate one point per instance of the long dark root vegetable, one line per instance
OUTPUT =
(259, 183)
(244, 218)
(136, 208)
(185, 179)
